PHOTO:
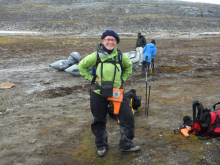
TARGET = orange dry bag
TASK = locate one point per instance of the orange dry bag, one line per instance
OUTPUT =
(117, 99)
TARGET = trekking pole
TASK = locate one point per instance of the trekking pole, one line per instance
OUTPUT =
(146, 97)
(149, 90)
(152, 66)
(146, 88)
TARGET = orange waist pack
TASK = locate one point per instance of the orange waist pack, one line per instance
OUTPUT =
(117, 99)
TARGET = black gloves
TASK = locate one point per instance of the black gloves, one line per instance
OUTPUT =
(93, 80)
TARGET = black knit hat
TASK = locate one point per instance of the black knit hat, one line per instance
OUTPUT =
(153, 42)
(110, 33)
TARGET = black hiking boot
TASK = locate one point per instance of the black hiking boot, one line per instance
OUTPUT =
(131, 150)
(101, 152)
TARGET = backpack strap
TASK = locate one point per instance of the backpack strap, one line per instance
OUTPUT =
(113, 62)
(119, 57)
(213, 106)
(98, 60)
(217, 120)
(199, 106)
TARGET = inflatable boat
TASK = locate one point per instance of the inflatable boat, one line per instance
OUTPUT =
(71, 64)
(61, 65)
(134, 57)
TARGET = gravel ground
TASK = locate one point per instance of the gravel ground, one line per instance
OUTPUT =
(45, 118)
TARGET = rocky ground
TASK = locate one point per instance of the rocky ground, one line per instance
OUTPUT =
(45, 118)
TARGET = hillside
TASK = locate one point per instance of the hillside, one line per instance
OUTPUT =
(124, 16)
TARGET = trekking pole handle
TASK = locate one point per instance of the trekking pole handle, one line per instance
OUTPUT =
(150, 71)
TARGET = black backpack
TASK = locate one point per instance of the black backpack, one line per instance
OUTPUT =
(206, 122)
(135, 101)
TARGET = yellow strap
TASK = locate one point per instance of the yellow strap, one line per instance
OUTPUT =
(132, 106)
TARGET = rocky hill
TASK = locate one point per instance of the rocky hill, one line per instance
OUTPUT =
(93, 16)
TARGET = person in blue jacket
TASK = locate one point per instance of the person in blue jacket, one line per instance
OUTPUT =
(149, 52)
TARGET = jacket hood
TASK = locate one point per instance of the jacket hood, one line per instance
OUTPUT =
(151, 45)
(101, 52)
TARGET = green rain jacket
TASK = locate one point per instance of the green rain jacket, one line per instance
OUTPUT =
(108, 68)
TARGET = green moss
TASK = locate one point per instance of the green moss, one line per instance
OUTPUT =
(173, 69)
(86, 153)
(5, 40)
(176, 142)
(199, 76)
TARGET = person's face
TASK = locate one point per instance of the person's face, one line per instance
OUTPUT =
(109, 42)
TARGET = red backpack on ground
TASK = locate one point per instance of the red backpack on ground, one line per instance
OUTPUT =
(206, 122)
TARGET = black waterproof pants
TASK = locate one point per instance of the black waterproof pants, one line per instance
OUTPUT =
(145, 67)
(99, 108)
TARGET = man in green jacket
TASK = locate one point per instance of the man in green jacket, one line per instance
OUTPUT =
(109, 75)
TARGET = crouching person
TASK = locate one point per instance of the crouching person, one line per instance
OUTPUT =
(109, 77)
